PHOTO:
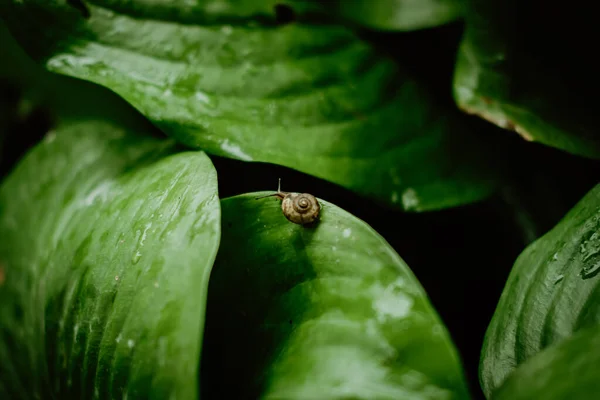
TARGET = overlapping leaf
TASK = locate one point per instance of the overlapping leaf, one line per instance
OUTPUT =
(324, 312)
(551, 293)
(399, 15)
(568, 370)
(237, 80)
(531, 78)
(108, 237)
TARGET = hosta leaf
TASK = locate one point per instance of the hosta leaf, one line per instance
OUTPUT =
(108, 237)
(325, 312)
(533, 79)
(400, 15)
(232, 79)
(64, 97)
(568, 370)
(552, 291)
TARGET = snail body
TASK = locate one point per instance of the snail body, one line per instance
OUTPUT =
(299, 208)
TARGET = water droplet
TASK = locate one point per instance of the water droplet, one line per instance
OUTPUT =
(235, 150)
(136, 257)
(590, 247)
(144, 234)
(50, 137)
(590, 271)
(558, 279)
(410, 200)
(347, 232)
(202, 97)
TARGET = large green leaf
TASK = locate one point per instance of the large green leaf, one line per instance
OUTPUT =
(63, 96)
(226, 77)
(399, 15)
(552, 291)
(108, 238)
(326, 312)
(569, 370)
(531, 78)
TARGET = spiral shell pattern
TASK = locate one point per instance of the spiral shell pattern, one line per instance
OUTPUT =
(300, 208)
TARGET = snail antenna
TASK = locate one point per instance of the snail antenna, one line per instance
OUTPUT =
(278, 194)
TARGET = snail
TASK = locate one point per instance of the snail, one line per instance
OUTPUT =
(299, 208)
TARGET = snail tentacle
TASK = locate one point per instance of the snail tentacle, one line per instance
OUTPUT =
(299, 208)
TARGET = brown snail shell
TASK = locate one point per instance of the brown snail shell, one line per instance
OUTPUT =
(299, 208)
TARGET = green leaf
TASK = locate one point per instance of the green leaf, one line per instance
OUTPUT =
(324, 312)
(400, 15)
(568, 370)
(234, 82)
(64, 97)
(533, 79)
(108, 238)
(551, 292)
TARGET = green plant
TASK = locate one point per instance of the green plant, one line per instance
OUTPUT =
(134, 264)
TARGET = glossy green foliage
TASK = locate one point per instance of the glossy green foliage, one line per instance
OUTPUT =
(64, 97)
(103, 284)
(108, 238)
(328, 311)
(109, 230)
(552, 292)
(270, 82)
(568, 370)
(518, 69)
(399, 15)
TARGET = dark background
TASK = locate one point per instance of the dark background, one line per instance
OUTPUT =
(462, 256)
